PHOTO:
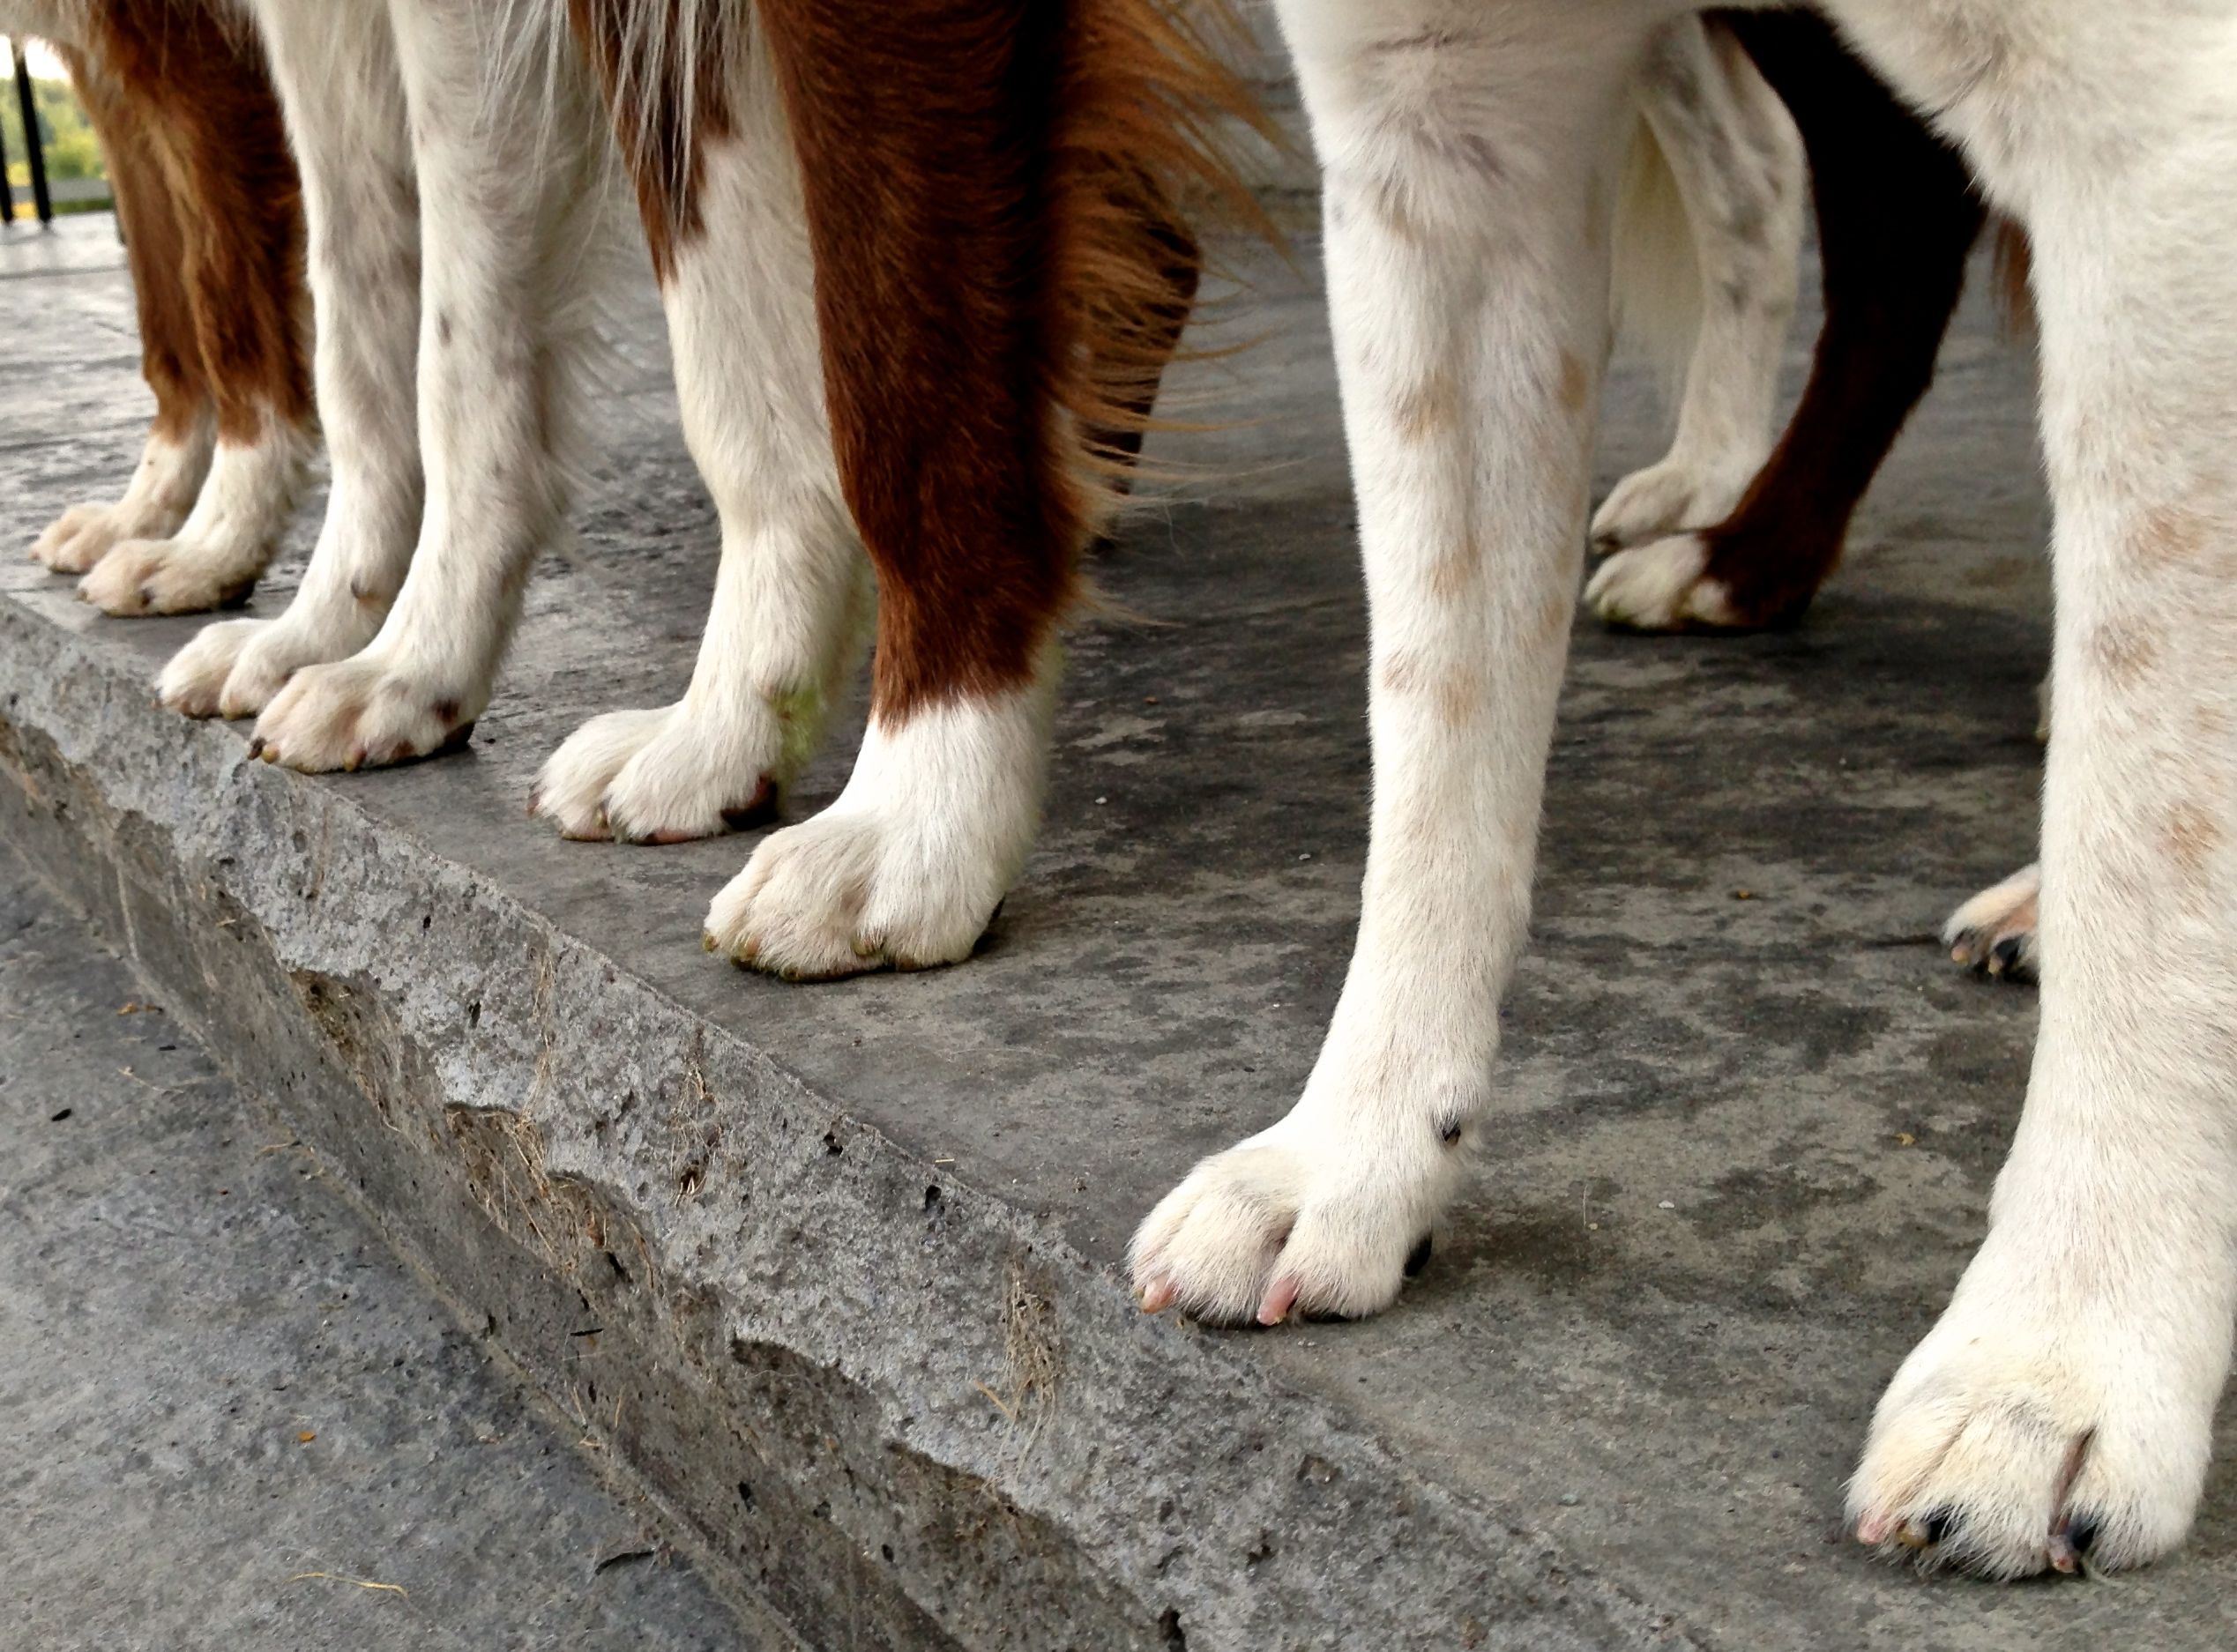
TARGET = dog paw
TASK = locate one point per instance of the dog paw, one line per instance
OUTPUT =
(2018, 1439)
(237, 667)
(1660, 587)
(664, 777)
(1994, 933)
(1304, 1219)
(82, 535)
(1665, 499)
(848, 892)
(168, 576)
(367, 712)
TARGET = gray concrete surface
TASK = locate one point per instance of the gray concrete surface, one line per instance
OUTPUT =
(229, 1418)
(856, 1248)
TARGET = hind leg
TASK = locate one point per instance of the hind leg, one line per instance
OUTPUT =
(335, 63)
(1732, 149)
(2062, 1410)
(737, 278)
(176, 456)
(1896, 215)
(206, 104)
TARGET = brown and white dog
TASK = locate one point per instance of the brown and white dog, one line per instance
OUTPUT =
(212, 220)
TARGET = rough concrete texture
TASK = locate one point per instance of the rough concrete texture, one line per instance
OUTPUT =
(229, 1418)
(854, 1249)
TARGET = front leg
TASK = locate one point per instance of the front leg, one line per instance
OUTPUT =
(514, 190)
(335, 63)
(1468, 155)
(2062, 1412)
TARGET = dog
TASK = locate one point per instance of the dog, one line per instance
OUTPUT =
(210, 207)
(2062, 1409)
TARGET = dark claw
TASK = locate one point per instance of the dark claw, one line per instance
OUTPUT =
(256, 746)
(1419, 1258)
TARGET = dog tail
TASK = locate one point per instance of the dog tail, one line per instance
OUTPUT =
(1146, 105)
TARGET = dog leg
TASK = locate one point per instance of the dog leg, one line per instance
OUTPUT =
(729, 234)
(2061, 1412)
(176, 456)
(514, 184)
(1897, 215)
(1469, 152)
(1736, 160)
(335, 63)
(204, 102)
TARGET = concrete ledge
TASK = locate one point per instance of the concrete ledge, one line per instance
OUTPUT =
(834, 1270)
(908, 1411)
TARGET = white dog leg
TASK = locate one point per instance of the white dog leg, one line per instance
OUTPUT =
(1742, 184)
(2062, 1410)
(794, 585)
(515, 186)
(1464, 147)
(335, 63)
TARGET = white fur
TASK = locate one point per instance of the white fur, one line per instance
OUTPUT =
(793, 590)
(1706, 249)
(2099, 1311)
(227, 541)
(906, 867)
(334, 63)
(1464, 147)
(1658, 586)
(155, 504)
(515, 190)
(2070, 1388)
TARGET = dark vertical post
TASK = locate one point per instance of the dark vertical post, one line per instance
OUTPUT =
(7, 190)
(30, 107)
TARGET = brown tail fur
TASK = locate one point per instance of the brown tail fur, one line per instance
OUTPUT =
(999, 281)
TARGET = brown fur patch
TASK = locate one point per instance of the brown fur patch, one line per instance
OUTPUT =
(1454, 573)
(2171, 536)
(2124, 649)
(1429, 408)
(212, 182)
(2192, 836)
(663, 120)
(989, 297)
(1459, 692)
(1576, 382)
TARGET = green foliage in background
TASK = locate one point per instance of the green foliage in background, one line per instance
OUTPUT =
(72, 150)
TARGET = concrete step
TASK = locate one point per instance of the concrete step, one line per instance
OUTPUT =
(841, 1264)
(230, 1418)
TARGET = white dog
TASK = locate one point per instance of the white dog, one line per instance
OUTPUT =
(2064, 1404)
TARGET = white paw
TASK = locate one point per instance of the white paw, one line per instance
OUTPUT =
(1994, 933)
(848, 892)
(1659, 587)
(362, 713)
(1668, 498)
(1305, 1219)
(83, 534)
(668, 776)
(237, 667)
(2036, 1429)
(904, 870)
(181, 575)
